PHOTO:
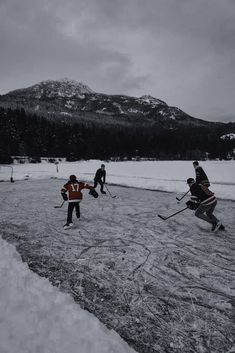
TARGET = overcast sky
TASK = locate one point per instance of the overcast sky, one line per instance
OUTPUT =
(181, 51)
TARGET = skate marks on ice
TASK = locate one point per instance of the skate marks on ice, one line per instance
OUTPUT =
(164, 286)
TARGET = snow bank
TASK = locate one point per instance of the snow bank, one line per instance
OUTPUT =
(35, 317)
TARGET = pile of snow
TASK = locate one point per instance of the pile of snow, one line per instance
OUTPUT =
(37, 317)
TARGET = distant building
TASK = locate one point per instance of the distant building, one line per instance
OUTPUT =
(27, 159)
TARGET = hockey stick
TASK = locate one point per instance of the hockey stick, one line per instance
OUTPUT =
(113, 196)
(60, 205)
(165, 218)
(182, 196)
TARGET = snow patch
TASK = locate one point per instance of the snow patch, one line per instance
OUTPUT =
(228, 137)
(131, 110)
(119, 107)
(103, 111)
(151, 100)
(65, 113)
(69, 104)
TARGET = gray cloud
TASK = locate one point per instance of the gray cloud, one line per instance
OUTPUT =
(180, 51)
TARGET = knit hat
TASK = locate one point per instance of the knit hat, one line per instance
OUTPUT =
(73, 178)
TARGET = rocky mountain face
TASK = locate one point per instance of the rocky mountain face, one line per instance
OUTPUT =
(68, 100)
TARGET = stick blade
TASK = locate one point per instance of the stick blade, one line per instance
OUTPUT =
(163, 218)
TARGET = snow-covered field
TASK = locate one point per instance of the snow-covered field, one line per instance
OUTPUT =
(164, 286)
(158, 175)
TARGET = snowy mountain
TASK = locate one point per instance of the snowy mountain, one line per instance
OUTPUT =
(73, 121)
(68, 99)
(53, 89)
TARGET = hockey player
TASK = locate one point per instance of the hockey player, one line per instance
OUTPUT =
(71, 191)
(203, 201)
(99, 175)
(201, 177)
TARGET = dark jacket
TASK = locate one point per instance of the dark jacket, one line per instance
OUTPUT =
(100, 174)
(201, 193)
(201, 177)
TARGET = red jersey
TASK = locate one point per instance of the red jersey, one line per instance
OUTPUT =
(74, 190)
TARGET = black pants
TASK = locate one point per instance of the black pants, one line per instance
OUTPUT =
(71, 206)
(96, 181)
(205, 212)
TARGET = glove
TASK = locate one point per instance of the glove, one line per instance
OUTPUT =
(93, 193)
(64, 195)
(192, 205)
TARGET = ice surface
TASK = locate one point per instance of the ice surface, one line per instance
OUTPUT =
(162, 285)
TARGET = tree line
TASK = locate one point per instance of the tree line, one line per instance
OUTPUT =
(26, 134)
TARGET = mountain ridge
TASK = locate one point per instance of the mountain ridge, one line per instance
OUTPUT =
(69, 100)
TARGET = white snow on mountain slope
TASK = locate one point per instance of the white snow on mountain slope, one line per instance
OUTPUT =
(69, 104)
(65, 113)
(119, 107)
(151, 100)
(64, 88)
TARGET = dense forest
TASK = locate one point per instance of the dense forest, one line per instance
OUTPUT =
(25, 134)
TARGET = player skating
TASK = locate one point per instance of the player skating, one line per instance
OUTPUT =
(72, 191)
(203, 201)
(100, 176)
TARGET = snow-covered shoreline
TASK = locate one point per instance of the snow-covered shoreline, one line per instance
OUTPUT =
(157, 175)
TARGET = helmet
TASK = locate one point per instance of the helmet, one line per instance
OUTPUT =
(72, 178)
(102, 165)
